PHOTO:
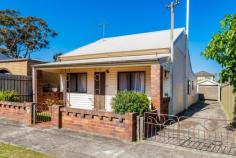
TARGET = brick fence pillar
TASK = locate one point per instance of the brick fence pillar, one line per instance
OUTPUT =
(131, 123)
(156, 86)
(29, 115)
(56, 116)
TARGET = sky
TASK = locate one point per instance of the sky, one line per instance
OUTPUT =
(77, 22)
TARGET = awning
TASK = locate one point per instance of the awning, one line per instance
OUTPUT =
(106, 61)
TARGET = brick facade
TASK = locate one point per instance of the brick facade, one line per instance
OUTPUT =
(96, 122)
(156, 86)
(21, 112)
(46, 98)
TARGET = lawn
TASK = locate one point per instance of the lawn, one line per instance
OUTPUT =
(12, 151)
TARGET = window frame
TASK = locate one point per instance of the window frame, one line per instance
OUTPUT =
(189, 87)
(193, 85)
(130, 72)
(76, 84)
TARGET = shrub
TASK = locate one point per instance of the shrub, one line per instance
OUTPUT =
(7, 95)
(129, 101)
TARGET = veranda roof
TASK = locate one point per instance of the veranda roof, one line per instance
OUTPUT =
(111, 61)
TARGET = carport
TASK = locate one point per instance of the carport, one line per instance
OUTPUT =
(208, 90)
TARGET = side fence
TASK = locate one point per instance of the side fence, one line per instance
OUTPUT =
(228, 101)
(21, 84)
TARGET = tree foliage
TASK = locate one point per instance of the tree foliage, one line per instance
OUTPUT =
(56, 55)
(20, 36)
(222, 48)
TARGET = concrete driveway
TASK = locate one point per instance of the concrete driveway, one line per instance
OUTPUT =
(203, 126)
(66, 144)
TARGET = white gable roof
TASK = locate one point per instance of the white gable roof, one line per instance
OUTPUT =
(208, 82)
(142, 41)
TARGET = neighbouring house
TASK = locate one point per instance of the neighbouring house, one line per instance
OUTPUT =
(16, 74)
(21, 66)
(208, 90)
(88, 77)
(203, 75)
(4, 57)
(207, 87)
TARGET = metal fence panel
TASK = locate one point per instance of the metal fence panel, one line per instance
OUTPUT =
(22, 85)
(213, 135)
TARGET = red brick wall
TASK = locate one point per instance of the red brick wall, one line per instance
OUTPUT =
(156, 86)
(21, 112)
(46, 98)
(96, 122)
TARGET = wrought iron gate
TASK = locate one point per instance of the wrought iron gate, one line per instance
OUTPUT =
(213, 135)
(42, 113)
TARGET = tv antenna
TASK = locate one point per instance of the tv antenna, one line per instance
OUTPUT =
(103, 27)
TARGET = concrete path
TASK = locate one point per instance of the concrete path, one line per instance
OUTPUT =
(65, 144)
(207, 109)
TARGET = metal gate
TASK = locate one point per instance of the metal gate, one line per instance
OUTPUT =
(42, 113)
(213, 135)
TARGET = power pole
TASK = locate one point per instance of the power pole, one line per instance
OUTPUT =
(187, 54)
(187, 17)
(172, 6)
(104, 27)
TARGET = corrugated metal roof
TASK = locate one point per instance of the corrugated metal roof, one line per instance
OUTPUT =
(4, 57)
(20, 59)
(111, 60)
(142, 41)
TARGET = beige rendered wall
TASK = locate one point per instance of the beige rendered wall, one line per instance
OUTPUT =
(53, 79)
(20, 67)
(15, 67)
(30, 63)
(183, 100)
(115, 54)
(178, 82)
(86, 101)
(180, 68)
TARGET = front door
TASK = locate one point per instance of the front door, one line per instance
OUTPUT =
(99, 90)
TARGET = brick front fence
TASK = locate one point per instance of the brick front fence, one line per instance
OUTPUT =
(21, 112)
(108, 124)
(96, 122)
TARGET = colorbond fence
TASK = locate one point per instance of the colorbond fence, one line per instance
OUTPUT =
(21, 84)
(228, 101)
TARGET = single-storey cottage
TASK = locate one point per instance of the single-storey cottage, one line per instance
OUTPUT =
(88, 77)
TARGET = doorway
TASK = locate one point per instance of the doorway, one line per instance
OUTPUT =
(99, 90)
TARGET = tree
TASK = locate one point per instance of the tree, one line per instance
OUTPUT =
(56, 55)
(20, 36)
(222, 48)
